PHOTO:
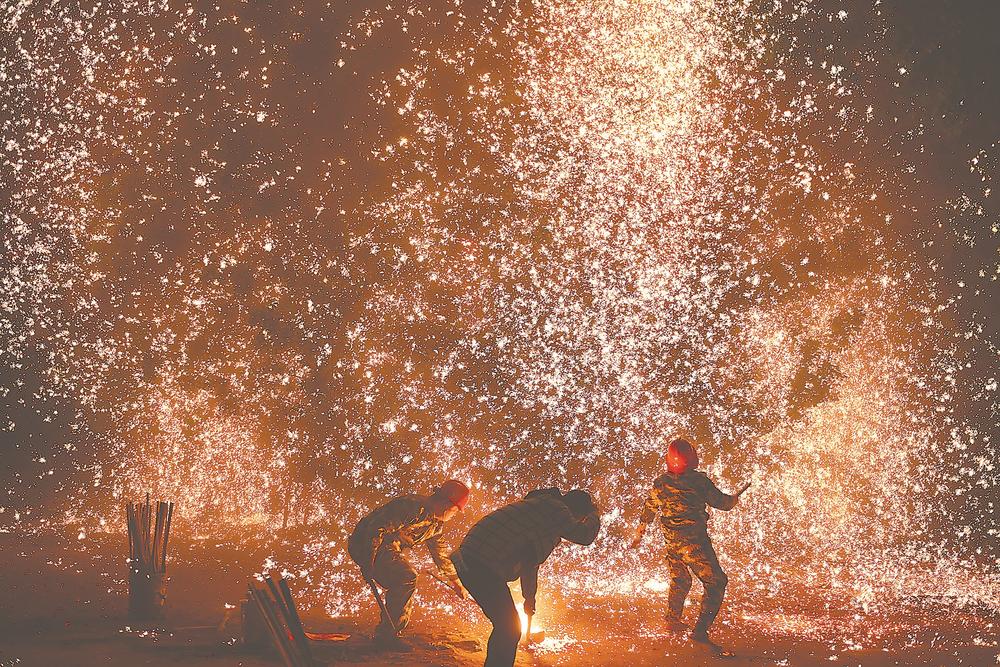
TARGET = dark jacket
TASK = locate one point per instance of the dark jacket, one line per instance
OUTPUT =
(519, 537)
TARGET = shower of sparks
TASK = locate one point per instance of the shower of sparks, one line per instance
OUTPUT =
(279, 266)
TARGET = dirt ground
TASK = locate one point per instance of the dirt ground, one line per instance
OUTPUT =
(63, 603)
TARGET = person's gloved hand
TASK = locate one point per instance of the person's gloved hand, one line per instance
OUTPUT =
(529, 606)
(368, 569)
(459, 589)
(636, 541)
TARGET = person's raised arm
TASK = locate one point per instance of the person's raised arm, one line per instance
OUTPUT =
(720, 500)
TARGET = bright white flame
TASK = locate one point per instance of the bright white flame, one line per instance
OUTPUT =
(535, 627)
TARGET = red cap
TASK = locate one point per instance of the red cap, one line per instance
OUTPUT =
(681, 456)
(455, 491)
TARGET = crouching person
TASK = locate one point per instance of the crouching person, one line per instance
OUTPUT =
(380, 540)
(511, 543)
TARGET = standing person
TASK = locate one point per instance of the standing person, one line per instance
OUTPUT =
(379, 540)
(511, 543)
(679, 496)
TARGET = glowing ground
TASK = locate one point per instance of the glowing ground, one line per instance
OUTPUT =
(70, 610)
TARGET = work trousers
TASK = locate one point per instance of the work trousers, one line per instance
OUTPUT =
(691, 551)
(394, 573)
(492, 595)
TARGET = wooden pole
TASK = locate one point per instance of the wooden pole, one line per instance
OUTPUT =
(295, 623)
(256, 596)
(166, 536)
(381, 605)
(288, 650)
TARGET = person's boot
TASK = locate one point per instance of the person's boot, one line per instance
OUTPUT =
(700, 639)
(387, 638)
(674, 623)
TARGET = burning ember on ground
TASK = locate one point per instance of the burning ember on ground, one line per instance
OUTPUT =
(278, 264)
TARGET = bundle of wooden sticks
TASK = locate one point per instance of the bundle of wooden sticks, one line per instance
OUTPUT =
(273, 601)
(147, 539)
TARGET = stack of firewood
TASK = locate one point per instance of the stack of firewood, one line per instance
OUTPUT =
(148, 540)
(147, 546)
(273, 601)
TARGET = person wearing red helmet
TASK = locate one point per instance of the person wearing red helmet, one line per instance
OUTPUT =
(680, 497)
(380, 539)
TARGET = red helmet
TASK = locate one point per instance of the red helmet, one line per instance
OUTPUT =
(455, 492)
(681, 456)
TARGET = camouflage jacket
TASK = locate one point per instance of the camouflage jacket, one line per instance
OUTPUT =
(681, 501)
(402, 523)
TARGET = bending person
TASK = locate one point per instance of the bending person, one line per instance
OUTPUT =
(380, 539)
(511, 543)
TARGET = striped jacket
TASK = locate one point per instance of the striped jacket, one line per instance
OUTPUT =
(517, 538)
